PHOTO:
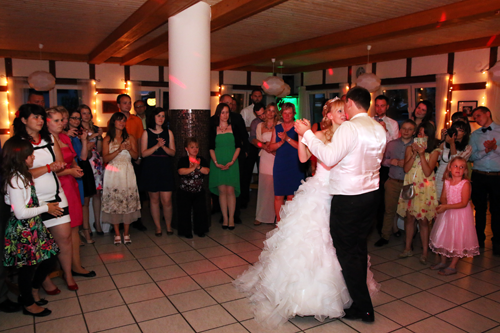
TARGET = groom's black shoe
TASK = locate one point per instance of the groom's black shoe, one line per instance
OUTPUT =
(381, 242)
(353, 314)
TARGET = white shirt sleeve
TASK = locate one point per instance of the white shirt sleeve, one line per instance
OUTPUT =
(342, 143)
(19, 197)
(258, 132)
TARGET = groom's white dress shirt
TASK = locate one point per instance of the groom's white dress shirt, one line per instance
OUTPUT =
(356, 150)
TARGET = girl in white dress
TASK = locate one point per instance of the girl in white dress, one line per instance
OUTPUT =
(120, 196)
(298, 272)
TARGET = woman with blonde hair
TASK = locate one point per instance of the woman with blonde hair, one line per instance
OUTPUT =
(298, 272)
(265, 195)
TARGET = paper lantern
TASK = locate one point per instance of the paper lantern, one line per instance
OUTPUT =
(273, 85)
(495, 73)
(285, 92)
(369, 81)
(41, 81)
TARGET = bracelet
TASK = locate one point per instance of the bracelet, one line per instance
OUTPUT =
(48, 168)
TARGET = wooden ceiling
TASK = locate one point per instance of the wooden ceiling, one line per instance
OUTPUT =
(305, 34)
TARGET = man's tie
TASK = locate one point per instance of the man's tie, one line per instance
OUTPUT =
(486, 129)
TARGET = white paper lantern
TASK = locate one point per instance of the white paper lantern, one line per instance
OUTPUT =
(495, 73)
(369, 81)
(42, 81)
(273, 85)
(285, 92)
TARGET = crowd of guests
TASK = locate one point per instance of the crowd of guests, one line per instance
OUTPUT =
(58, 161)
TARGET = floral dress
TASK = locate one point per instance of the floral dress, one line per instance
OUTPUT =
(120, 196)
(424, 204)
(28, 242)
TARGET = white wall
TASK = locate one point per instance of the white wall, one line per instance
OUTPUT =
(390, 69)
(110, 76)
(72, 70)
(336, 75)
(469, 66)
(144, 73)
(311, 78)
(22, 67)
(435, 64)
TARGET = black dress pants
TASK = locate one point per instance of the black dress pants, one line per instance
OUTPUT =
(351, 221)
(484, 188)
(195, 202)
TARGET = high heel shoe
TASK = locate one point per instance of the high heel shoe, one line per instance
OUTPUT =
(100, 233)
(44, 313)
(72, 287)
(231, 228)
(88, 275)
(82, 234)
(52, 292)
(224, 227)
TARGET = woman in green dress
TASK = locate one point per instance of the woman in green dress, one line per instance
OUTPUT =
(224, 178)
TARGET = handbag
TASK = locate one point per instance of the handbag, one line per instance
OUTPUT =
(408, 191)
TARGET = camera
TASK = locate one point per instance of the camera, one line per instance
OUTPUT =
(451, 131)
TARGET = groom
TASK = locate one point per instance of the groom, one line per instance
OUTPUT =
(356, 150)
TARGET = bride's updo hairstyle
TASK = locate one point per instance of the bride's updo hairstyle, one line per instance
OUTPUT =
(334, 104)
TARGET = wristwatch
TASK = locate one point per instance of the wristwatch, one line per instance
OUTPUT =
(288, 140)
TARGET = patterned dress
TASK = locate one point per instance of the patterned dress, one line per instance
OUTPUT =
(28, 242)
(120, 196)
(424, 204)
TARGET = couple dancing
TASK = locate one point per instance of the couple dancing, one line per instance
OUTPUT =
(299, 271)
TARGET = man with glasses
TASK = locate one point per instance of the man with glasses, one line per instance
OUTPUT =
(140, 110)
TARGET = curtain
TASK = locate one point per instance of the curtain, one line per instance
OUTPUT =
(442, 81)
(493, 98)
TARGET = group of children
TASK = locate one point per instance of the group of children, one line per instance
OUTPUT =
(453, 234)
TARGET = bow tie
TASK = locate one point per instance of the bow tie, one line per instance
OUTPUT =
(486, 129)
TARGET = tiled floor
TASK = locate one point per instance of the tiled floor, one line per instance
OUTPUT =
(171, 284)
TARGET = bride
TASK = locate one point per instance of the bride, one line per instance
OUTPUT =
(298, 272)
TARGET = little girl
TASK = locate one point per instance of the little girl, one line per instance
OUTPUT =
(29, 246)
(454, 234)
(419, 164)
(191, 195)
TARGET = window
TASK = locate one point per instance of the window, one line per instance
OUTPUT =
(404, 98)
(46, 96)
(69, 98)
(316, 102)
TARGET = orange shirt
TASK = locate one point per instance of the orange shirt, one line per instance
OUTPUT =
(134, 126)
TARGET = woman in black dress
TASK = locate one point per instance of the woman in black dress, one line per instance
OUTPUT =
(157, 150)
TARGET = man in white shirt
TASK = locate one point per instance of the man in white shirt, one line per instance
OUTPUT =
(392, 133)
(356, 151)
(247, 113)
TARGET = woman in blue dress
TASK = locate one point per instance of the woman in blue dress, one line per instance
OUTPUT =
(287, 170)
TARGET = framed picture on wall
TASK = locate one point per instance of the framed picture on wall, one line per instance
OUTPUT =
(467, 107)
(109, 107)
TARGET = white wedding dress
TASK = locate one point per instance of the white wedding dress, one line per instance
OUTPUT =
(298, 272)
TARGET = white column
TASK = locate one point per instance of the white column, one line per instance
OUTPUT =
(189, 58)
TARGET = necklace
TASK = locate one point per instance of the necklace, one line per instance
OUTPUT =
(39, 140)
(268, 128)
(223, 129)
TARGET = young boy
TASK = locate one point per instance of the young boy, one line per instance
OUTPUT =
(394, 159)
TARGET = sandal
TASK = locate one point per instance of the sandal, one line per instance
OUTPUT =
(447, 271)
(257, 222)
(82, 234)
(126, 239)
(423, 260)
(118, 240)
(438, 266)
(406, 254)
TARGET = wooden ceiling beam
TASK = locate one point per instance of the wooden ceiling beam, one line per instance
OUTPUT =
(151, 15)
(228, 12)
(35, 55)
(448, 15)
(471, 44)
(224, 13)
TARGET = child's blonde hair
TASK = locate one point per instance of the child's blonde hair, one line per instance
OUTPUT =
(447, 174)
